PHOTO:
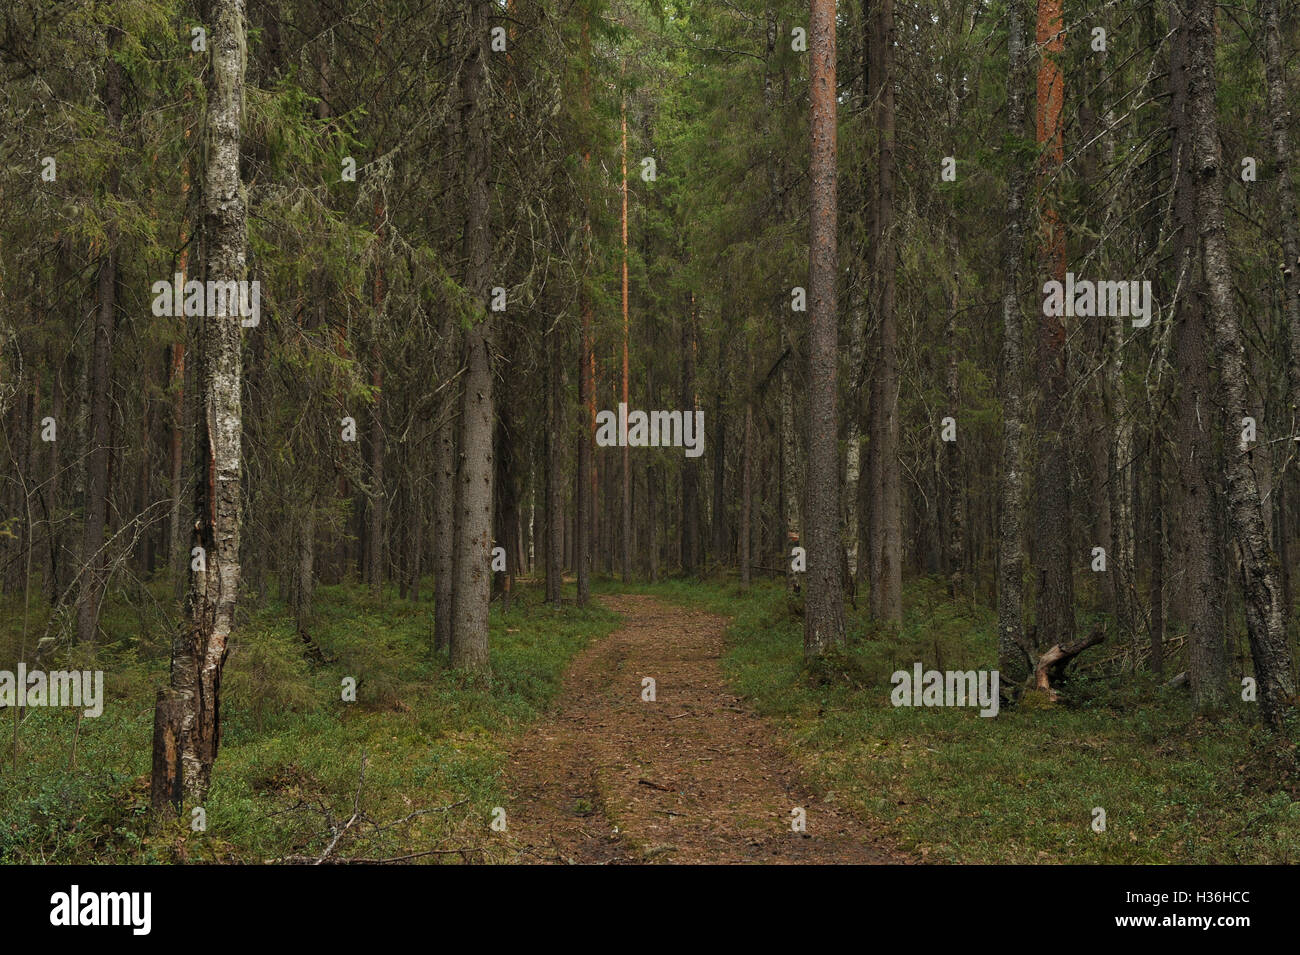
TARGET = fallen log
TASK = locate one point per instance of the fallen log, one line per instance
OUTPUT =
(1053, 663)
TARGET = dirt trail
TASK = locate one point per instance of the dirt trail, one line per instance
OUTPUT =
(694, 777)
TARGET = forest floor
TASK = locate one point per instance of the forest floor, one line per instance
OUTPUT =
(741, 732)
(690, 776)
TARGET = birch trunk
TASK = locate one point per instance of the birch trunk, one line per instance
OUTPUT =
(189, 713)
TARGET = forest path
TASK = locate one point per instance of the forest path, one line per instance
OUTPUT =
(694, 777)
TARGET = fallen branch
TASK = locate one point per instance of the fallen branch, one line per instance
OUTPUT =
(1054, 661)
(359, 822)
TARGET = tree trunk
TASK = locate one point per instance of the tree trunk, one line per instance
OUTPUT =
(719, 532)
(444, 448)
(1012, 660)
(625, 549)
(305, 568)
(93, 558)
(1265, 625)
(886, 545)
(824, 602)
(746, 479)
(555, 519)
(175, 535)
(1199, 542)
(789, 475)
(377, 502)
(690, 467)
(1281, 120)
(1157, 551)
(955, 538)
(472, 576)
(190, 711)
(1053, 535)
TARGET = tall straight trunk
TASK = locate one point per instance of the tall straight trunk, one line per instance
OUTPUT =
(1157, 552)
(175, 535)
(652, 521)
(142, 490)
(955, 537)
(444, 499)
(472, 575)
(823, 622)
(53, 489)
(1119, 479)
(690, 467)
(605, 519)
(507, 493)
(625, 550)
(1274, 71)
(93, 558)
(746, 475)
(1012, 661)
(586, 491)
(719, 532)
(858, 313)
(1120, 485)
(1280, 117)
(444, 448)
(1265, 624)
(1053, 535)
(187, 720)
(886, 545)
(1199, 541)
(790, 495)
(416, 533)
(377, 502)
(555, 519)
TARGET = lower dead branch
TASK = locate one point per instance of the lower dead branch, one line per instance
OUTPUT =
(1053, 663)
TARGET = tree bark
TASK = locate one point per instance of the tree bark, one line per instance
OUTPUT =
(690, 467)
(1265, 625)
(444, 447)
(824, 603)
(886, 544)
(472, 576)
(1053, 534)
(1199, 541)
(586, 491)
(199, 649)
(955, 536)
(625, 548)
(1012, 661)
(555, 519)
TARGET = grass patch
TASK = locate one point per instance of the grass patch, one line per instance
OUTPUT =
(949, 786)
(291, 750)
